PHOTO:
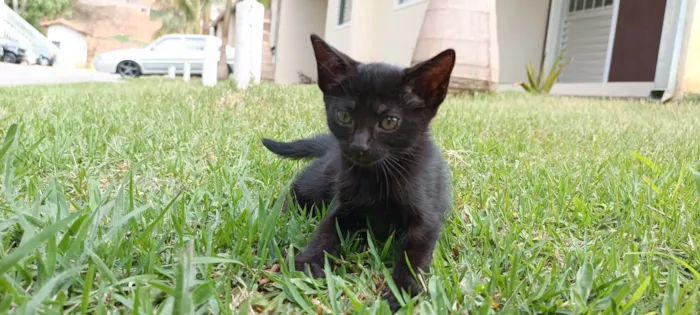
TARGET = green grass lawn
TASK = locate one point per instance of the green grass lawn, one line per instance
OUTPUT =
(111, 192)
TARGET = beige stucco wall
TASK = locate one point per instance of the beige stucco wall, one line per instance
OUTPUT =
(379, 30)
(337, 36)
(298, 19)
(400, 31)
(522, 28)
(366, 21)
(72, 45)
(690, 72)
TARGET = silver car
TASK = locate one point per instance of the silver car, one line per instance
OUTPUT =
(159, 56)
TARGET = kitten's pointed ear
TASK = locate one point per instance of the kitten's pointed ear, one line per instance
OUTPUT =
(430, 79)
(332, 65)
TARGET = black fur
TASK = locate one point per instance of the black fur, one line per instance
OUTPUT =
(304, 148)
(392, 180)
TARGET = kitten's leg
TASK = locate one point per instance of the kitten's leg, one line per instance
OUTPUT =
(325, 239)
(313, 187)
(416, 245)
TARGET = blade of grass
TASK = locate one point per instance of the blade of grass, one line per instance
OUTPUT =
(10, 137)
(48, 288)
(25, 248)
(87, 287)
(184, 277)
(637, 294)
(695, 273)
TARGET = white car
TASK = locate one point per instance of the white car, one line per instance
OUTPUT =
(159, 56)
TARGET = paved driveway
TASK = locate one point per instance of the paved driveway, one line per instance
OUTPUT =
(13, 75)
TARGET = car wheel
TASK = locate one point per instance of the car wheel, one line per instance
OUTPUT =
(44, 62)
(128, 69)
(9, 57)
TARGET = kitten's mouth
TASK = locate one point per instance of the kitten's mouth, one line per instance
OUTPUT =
(363, 161)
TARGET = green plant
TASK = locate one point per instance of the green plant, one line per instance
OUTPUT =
(540, 84)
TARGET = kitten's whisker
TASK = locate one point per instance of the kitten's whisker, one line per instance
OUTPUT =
(386, 178)
(346, 172)
(392, 162)
(409, 156)
(396, 162)
(393, 165)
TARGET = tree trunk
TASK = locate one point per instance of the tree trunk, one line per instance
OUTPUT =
(223, 69)
(469, 27)
(15, 6)
(268, 68)
(206, 17)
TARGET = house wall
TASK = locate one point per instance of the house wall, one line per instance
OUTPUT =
(382, 30)
(379, 30)
(337, 36)
(367, 21)
(73, 45)
(114, 27)
(690, 72)
(522, 28)
(396, 38)
(298, 19)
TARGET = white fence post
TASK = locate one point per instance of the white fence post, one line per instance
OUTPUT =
(211, 58)
(241, 69)
(186, 73)
(250, 19)
(256, 40)
(171, 72)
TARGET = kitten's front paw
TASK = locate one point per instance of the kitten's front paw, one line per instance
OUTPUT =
(285, 205)
(403, 284)
(311, 266)
(391, 299)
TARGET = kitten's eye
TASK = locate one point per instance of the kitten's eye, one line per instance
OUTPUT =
(389, 123)
(344, 117)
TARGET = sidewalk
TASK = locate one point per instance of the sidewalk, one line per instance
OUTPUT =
(14, 75)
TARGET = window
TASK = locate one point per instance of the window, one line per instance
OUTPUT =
(196, 44)
(169, 44)
(584, 5)
(401, 3)
(345, 12)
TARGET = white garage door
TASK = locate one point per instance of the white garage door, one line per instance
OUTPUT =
(586, 36)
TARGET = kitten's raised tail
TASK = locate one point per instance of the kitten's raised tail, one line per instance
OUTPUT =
(314, 147)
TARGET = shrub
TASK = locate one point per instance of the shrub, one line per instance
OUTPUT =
(539, 84)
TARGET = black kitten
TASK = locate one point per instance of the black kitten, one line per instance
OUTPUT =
(379, 164)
